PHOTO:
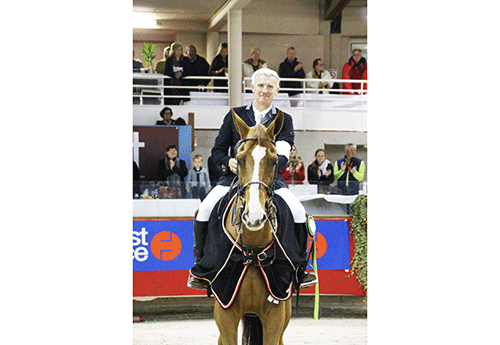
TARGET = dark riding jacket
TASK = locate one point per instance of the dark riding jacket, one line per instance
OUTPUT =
(228, 137)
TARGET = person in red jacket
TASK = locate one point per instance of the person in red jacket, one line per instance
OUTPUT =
(293, 172)
(356, 68)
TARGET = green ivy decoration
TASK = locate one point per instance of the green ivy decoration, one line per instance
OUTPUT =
(359, 263)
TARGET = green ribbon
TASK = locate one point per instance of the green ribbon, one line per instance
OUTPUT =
(311, 225)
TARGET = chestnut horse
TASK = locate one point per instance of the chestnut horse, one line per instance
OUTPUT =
(257, 161)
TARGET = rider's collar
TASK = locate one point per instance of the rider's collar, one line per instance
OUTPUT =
(273, 109)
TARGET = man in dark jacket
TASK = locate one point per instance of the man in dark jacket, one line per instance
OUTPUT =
(199, 67)
(265, 85)
(291, 68)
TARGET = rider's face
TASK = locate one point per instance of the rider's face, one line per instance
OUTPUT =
(265, 88)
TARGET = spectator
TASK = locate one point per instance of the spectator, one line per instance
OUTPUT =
(355, 68)
(349, 171)
(326, 80)
(176, 67)
(160, 65)
(199, 67)
(293, 173)
(172, 171)
(198, 181)
(219, 67)
(251, 65)
(137, 64)
(291, 68)
(166, 113)
(320, 171)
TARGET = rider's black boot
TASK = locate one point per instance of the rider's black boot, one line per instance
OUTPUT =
(305, 279)
(199, 233)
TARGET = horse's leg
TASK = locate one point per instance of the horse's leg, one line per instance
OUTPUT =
(227, 321)
(288, 316)
(275, 319)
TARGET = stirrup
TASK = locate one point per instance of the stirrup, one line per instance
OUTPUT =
(195, 283)
(308, 280)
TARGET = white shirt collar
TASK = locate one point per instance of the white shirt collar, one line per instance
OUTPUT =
(258, 113)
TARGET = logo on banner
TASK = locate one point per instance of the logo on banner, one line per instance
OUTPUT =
(139, 242)
(321, 245)
(166, 246)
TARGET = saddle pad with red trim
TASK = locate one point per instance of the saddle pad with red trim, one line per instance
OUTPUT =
(218, 244)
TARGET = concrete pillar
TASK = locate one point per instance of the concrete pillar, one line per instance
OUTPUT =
(212, 45)
(234, 24)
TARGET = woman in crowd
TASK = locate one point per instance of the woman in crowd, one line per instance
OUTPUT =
(251, 65)
(160, 65)
(294, 172)
(166, 114)
(176, 67)
(325, 81)
(320, 171)
(219, 67)
(171, 173)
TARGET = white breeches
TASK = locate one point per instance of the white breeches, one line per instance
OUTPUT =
(207, 205)
(209, 202)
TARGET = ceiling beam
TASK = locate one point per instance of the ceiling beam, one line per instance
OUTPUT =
(219, 19)
(336, 7)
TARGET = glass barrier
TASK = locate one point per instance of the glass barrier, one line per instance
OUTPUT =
(167, 190)
(150, 190)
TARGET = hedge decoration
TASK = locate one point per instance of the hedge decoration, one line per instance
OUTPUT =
(359, 263)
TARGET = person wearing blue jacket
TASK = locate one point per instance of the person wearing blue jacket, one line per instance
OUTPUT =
(349, 171)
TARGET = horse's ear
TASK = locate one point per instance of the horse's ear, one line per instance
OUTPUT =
(276, 126)
(241, 126)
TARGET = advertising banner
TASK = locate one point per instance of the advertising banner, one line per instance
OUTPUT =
(162, 254)
(168, 245)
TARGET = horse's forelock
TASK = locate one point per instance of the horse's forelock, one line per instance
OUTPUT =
(261, 135)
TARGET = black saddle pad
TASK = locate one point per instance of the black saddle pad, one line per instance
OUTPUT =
(226, 275)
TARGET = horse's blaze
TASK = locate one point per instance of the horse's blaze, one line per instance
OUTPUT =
(256, 214)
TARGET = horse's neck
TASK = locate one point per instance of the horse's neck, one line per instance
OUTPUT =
(250, 238)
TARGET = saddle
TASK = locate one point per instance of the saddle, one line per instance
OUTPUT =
(226, 262)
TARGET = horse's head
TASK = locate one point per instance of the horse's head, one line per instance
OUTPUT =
(257, 163)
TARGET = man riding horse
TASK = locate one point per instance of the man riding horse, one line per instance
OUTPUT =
(265, 85)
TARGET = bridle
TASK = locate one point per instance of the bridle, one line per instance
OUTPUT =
(254, 256)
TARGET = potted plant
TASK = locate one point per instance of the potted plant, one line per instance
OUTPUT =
(148, 54)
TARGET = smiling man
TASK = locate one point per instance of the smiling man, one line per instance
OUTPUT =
(265, 85)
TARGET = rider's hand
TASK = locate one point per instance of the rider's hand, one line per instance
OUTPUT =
(233, 165)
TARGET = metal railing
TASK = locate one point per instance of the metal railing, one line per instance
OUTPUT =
(150, 89)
